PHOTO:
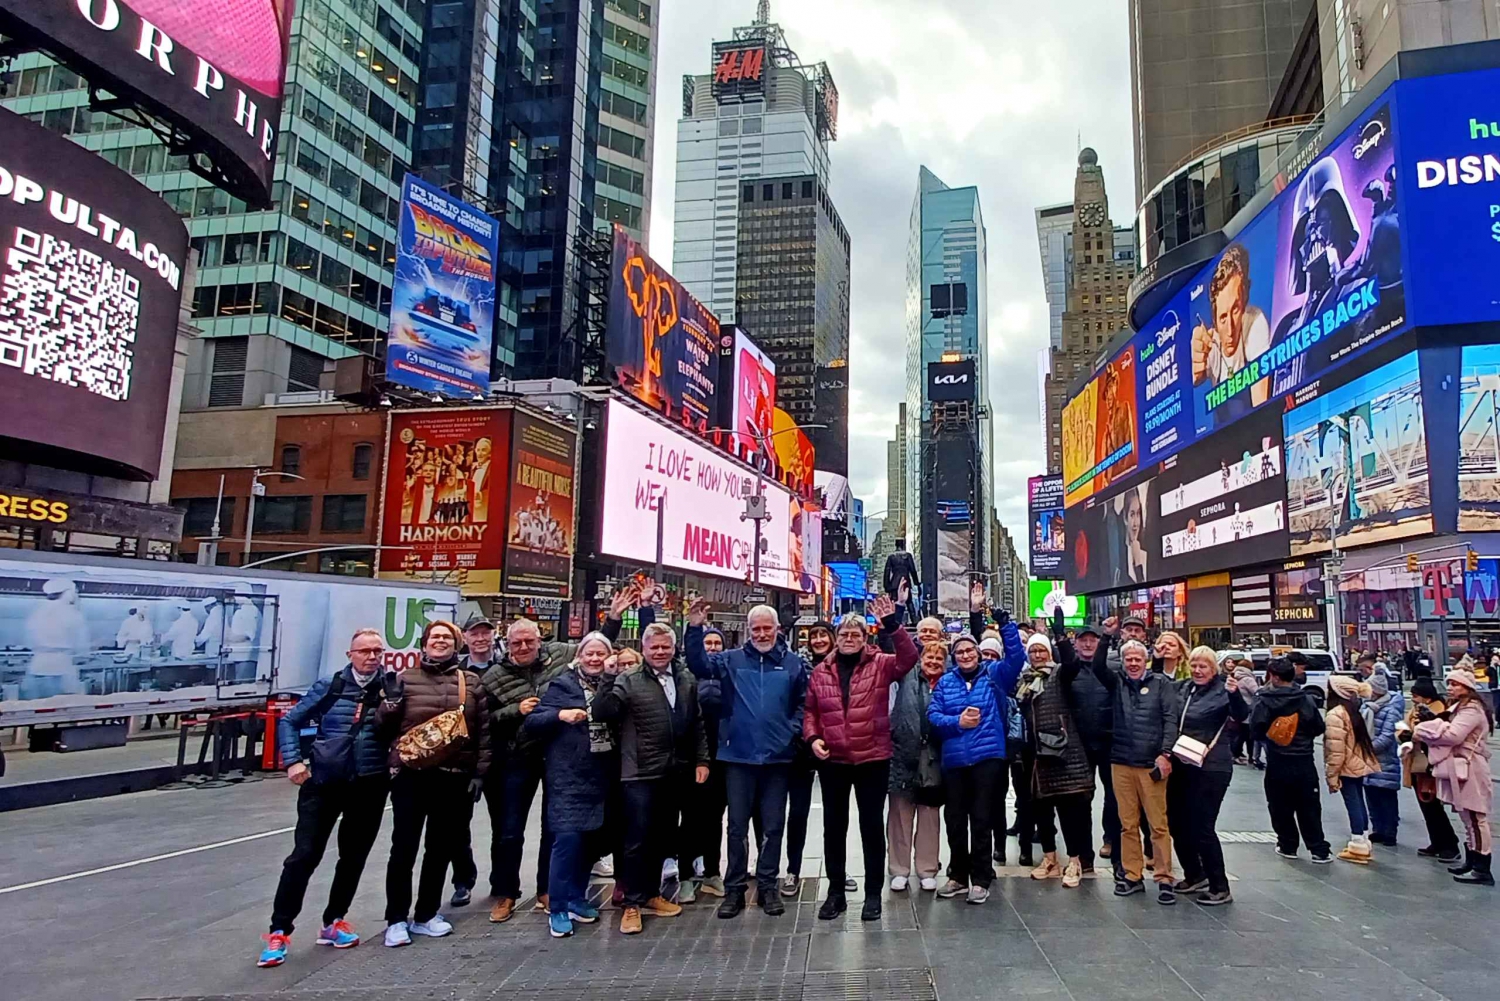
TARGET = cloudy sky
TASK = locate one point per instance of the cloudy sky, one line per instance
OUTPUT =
(996, 95)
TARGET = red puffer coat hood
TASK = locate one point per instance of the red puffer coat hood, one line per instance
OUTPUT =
(861, 731)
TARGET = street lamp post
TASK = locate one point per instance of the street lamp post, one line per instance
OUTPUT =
(258, 489)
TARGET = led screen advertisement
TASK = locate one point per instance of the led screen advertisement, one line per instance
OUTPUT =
(1479, 440)
(852, 582)
(831, 407)
(89, 296)
(794, 452)
(954, 538)
(754, 391)
(443, 301)
(1048, 539)
(661, 344)
(951, 381)
(541, 514)
(1046, 596)
(213, 68)
(647, 462)
(443, 510)
(1111, 541)
(1099, 429)
(1356, 460)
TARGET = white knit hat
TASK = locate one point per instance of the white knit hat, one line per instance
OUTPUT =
(1039, 639)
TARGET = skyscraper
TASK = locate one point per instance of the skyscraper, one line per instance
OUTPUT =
(281, 291)
(946, 319)
(1054, 238)
(761, 112)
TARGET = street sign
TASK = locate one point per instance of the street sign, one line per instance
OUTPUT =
(866, 564)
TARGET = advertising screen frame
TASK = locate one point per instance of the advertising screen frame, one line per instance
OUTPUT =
(1043, 595)
(754, 407)
(1047, 519)
(118, 263)
(542, 512)
(139, 49)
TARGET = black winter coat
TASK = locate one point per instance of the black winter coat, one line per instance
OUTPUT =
(1145, 712)
(577, 778)
(1093, 710)
(1204, 714)
(655, 739)
(916, 751)
(1046, 711)
(508, 684)
(1271, 703)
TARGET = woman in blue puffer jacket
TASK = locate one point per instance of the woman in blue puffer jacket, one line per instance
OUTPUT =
(1382, 789)
(968, 713)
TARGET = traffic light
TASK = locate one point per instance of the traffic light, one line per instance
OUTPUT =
(1412, 564)
(1472, 561)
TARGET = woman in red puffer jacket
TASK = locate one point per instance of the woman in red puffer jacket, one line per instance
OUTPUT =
(847, 724)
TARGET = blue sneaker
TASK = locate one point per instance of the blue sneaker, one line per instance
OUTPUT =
(560, 925)
(274, 954)
(582, 912)
(340, 935)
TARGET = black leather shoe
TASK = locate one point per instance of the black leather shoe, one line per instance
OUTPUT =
(1466, 867)
(733, 903)
(871, 909)
(771, 904)
(833, 906)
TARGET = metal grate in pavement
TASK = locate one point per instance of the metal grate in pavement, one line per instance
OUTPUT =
(1248, 837)
(875, 985)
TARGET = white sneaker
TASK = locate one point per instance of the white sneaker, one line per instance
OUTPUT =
(397, 934)
(434, 928)
(603, 868)
(669, 869)
(698, 867)
(978, 894)
(929, 883)
(898, 884)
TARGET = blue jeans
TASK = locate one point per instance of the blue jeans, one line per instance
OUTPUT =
(1353, 791)
(510, 787)
(568, 880)
(759, 791)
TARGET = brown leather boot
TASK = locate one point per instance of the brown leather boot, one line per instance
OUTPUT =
(661, 907)
(504, 910)
(630, 921)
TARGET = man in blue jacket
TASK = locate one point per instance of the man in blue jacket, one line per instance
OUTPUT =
(764, 685)
(968, 712)
(348, 778)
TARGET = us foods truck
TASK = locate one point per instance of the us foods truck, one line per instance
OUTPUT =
(88, 638)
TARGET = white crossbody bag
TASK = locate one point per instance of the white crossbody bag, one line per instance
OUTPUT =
(1190, 749)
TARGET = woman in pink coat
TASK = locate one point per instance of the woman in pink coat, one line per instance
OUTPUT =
(1459, 751)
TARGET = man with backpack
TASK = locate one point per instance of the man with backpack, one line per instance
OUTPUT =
(344, 782)
(1286, 720)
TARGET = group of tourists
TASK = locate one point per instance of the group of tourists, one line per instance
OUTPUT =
(641, 757)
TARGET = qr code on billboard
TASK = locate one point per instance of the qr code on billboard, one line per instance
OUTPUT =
(68, 315)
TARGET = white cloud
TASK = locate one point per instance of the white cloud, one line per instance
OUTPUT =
(997, 95)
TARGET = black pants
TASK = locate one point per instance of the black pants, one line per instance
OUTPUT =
(1099, 765)
(757, 791)
(997, 812)
(1075, 815)
(968, 812)
(653, 809)
(1194, 797)
(799, 786)
(437, 800)
(1440, 834)
(1020, 781)
(360, 803)
(509, 790)
(707, 805)
(868, 782)
(1293, 799)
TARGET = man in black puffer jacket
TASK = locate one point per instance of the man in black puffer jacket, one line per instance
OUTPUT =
(1094, 716)
(1286, 720)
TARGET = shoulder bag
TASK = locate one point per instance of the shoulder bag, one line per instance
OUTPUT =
(332, 758)
(1190, 749)
(432, 742)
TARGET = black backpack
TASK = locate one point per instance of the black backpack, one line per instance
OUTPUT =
(333, 757)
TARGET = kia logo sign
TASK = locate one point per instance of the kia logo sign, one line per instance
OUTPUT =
(950, 380)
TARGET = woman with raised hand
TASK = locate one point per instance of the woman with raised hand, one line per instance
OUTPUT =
(1062, 784)
(1170, 656)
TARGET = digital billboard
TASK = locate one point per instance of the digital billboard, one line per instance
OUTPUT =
(443, 508)
(90, 291)
(831, 407)
(1356, 460)
(754, 391)
(1099, 429)
(1044, 597)
(1450, 183)
(1479, 440)
(213, 68)
(954, 478)
(794, 452)
(852, 583)
(661, 344)
(1110, 541)
(540, 516)
(647, 462)
(952, 381)
(1048, 540)
(443, 300)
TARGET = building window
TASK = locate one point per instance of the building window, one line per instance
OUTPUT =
(283, 514)
(363, 454)
(291, 459)
(767, 192)
(749, 194)
(344, 512)
(198, 514)
(807, 189)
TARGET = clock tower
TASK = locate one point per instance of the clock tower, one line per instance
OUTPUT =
(1100, 264)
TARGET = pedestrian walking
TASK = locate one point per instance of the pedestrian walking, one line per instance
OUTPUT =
(1246, 748)
(1416, 773)
(914, 822)
(765, 684)
(1062, 784)
(1460, 753)
(1202, 769)
(1145, 729)
(968, 711)
(847, 726)
(1382, 788)
(581, 763)
(342, 783)
(1348, 757)
(439, 755)
(1286, 719)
